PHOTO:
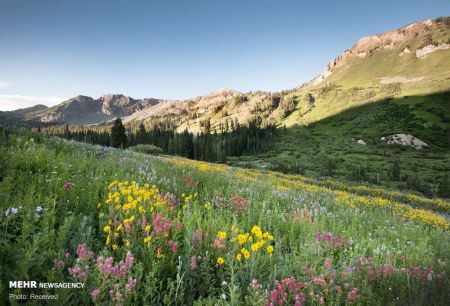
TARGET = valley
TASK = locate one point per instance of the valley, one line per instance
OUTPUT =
(335, 192)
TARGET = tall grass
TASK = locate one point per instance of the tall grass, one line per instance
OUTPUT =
(322, 251)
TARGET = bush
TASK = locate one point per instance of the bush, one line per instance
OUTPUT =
(444, 187)
(147, 149)
(396, 170)
(358, 173)
(328, 165)
(288, 167)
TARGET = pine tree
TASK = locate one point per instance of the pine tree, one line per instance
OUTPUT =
(141, 135)
(396, 170)
(444, 187)
(66, 132)
(118, 134)
(172, 147)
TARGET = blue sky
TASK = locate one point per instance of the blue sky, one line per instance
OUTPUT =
(52, 50)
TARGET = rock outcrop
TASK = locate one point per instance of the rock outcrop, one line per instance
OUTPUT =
(405, 140)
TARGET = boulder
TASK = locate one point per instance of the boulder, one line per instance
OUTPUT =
(405, 140)
(361, 142)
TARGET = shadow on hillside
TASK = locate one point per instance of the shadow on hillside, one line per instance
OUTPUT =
(329, 148)
(424, 116)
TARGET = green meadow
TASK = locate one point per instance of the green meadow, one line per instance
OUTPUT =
(160, 230)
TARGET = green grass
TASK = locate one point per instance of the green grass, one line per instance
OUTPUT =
(305, 148)
(35, 169)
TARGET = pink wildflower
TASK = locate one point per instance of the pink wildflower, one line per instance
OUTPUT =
(129, 260)
(295, 218)
(130, 285)
(172, 245)
(94, 293)
(320, 281)
(318, 236)
(193, 262)
(328, 264)
(59, 264)
(160, 224)
(352, 295)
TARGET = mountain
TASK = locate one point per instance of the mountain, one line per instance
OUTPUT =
(394, 84)
(80, 110)
(11, 117)
(412, 60)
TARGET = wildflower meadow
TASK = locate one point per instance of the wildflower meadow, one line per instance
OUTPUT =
(157, 230)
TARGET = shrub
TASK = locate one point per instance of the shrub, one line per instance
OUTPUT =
(396, 170)
(444, 187)
(329, 165)
(147, 149)
(358, 173)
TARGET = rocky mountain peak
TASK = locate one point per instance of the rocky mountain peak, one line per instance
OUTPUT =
(116, 104)
(388, 39)
(385, 41)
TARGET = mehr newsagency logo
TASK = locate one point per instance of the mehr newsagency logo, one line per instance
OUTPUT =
(40, 285)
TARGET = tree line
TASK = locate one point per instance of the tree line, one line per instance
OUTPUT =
(211, 144)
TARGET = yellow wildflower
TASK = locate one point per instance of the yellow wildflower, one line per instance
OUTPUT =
(147, 240)
(256, 230)
(256, 246)
(222, 235)
(245, 252)
(269, 249)
(242, 238)
(220, 260)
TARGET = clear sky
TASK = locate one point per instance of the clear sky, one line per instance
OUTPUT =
(56, 49)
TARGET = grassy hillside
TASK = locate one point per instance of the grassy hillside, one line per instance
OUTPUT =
(329, 147)
(372, 91)
(165, 230)
(384, 71)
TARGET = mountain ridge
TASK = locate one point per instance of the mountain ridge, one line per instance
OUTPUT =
(413, 59)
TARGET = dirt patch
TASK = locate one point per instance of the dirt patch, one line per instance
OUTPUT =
(428, 49)
(400, 79)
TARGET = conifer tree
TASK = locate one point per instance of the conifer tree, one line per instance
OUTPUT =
(396, 170)
(444, 187)
(119, 137)
(141, 135)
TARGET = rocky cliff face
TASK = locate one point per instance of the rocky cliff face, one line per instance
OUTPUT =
(86, 110)
(122, 106)
(425, 30)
